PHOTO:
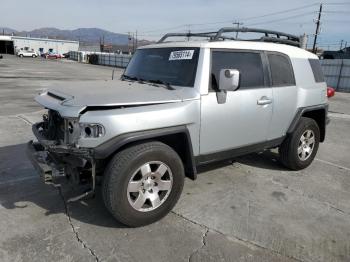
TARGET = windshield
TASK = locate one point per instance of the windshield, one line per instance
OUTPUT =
(174, 66)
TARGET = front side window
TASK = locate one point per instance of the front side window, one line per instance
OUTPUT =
(249, 65)
(281, 70)
(175, 66)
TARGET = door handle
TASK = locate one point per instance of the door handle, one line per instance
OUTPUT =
(264, 101)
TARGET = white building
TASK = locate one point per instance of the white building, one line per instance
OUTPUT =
(12, 44)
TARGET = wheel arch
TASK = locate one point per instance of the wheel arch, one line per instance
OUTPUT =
(317, 113)
(178, 138)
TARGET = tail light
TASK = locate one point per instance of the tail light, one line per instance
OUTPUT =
(330, 92)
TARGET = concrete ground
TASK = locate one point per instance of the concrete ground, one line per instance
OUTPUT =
(250, 210)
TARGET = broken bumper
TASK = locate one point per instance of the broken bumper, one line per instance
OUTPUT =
(40, 161)
(52, 160)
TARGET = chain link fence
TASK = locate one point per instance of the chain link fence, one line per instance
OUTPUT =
(99, 58)
(337, 73)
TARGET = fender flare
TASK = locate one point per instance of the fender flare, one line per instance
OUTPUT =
(111, 146)
(302, 110)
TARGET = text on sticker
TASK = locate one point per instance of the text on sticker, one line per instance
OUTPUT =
(181, 55)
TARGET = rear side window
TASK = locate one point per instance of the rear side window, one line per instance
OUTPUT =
(281, 70)
(317, 70)
(249, 65)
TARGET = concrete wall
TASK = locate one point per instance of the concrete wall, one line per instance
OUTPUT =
(58, 46)
(337, 73)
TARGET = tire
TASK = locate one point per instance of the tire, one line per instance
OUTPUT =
(121, 199)
(33, 56)
(21, 56)
(297, 150)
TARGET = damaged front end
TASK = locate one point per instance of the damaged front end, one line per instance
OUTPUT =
(57, 157)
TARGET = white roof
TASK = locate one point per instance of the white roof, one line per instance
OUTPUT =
(5, 38)
(291, 51)
(44, 39)
(11, 38)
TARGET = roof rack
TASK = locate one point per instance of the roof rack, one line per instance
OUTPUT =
(269, 35)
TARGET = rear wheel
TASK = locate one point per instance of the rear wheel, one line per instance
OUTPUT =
(33, 56)
(20, 55)
(143, 183)
(300, 148)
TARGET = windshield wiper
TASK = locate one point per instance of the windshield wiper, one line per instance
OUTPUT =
(157, 81)
(140, 80)
(129, 78)
(133, 78)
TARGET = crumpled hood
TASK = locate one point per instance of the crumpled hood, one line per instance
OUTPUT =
(77, 96)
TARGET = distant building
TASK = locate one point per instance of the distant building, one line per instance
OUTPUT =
(12, 44)
(341, 54)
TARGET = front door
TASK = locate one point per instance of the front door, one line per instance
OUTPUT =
(245, 117)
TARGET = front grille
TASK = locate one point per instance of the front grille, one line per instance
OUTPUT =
(53, 127)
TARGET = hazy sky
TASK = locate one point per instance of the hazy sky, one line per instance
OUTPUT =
(154, 17)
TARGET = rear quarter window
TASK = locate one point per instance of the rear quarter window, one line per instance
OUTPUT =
(281, 70)
(317, 70)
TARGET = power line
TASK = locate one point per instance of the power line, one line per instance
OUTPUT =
(336, 12)
(279, 12)
(232, 20)
(164, 29)
(340, 3)
(281, 19)
(184, 26)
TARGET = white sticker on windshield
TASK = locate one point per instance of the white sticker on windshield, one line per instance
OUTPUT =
(181, 55)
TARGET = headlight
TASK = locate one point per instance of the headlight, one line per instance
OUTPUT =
(91, 130)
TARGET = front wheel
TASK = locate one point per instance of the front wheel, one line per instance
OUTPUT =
(143, 183)
(21, 56)
(300, 148)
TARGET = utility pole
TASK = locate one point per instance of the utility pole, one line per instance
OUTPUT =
(189, 32)
(129, 39)
(341, 44)
(318, 22)
(237, 25)
(133, 42)
(136, 40)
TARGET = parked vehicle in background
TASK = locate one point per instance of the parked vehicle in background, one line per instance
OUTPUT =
(179, 106)
(27, 53)
(53, 56)
(330, 92)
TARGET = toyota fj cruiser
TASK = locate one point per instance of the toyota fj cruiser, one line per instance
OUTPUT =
(178, 106)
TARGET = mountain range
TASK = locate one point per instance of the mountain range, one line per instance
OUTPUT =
(87, 35)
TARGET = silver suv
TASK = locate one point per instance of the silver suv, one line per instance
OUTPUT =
(178, 106)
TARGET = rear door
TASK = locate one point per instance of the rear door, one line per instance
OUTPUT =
(284, 93)
(245, 117)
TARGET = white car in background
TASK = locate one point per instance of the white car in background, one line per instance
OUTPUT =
(27, 53)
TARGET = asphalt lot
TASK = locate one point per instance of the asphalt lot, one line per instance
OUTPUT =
(250, 210)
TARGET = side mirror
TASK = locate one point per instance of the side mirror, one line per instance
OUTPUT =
(228, 81)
